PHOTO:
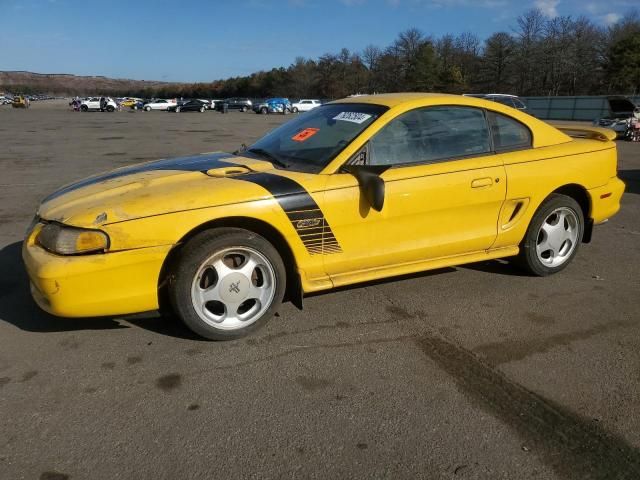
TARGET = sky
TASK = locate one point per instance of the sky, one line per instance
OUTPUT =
(204, 40)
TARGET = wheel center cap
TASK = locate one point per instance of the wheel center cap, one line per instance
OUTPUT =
(234, 288)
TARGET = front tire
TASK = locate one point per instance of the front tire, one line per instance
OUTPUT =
(202, 109)
(243, 109)
(227, 283)
(84, 108)
(294, 109)
(553, 236)
(147, 109)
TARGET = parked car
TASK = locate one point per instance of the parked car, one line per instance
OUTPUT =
(188, 106)
(621, 109)
(95, 103)
(305, 105)
(209, 104)
(273, 105)
(509, 100)
(139, 104)
(20, 101)
(129, 102)
(618, 125)
(159, 104)
(355, 190)
(242, 104)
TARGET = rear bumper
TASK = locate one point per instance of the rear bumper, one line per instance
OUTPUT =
(94, 285)
(605, 200)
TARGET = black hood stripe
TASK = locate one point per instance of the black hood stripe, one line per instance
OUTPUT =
(196, 163)
(302, 210)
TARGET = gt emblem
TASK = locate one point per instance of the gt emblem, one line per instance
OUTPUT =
(234, 287)
(310, 222)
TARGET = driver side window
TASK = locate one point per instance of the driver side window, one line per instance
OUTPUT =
(431, 135)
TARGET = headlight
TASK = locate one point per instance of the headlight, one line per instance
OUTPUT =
(66, 240)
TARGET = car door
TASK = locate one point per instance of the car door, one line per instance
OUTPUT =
(444, 188)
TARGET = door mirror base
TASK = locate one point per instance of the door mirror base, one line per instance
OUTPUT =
(371, 185)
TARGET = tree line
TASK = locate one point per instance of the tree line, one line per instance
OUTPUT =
(538, 56)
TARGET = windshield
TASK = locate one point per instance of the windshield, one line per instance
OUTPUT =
(312, 140)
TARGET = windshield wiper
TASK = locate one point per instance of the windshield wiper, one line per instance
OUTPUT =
(269, 156)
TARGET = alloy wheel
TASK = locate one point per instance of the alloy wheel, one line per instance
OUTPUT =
(233, 288)
(557, 237)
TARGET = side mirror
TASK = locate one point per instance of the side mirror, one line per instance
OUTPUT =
(371, 185)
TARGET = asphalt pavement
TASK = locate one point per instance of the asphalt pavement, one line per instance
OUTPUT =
(474, 372)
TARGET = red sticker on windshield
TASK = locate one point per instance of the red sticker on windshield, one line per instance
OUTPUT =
(304, 134)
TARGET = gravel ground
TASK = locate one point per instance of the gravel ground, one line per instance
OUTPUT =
(475, 372)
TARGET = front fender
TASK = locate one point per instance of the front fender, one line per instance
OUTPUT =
(171, 228)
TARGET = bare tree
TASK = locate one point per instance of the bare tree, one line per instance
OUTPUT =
(498, 61)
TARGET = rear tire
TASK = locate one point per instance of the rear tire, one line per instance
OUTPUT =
(227, 283)
(553, 236)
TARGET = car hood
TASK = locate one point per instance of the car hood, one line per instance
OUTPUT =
(154, 188)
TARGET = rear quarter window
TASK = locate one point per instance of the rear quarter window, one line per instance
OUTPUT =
(508, 133)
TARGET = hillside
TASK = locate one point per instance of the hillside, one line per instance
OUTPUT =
(67, 84)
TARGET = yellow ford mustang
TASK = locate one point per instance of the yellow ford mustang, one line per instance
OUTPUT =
(355, 190)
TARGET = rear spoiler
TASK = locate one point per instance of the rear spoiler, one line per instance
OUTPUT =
(583, 131)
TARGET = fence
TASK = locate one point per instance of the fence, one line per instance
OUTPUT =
(585, 108)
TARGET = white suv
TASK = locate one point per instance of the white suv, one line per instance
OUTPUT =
(159, 105)
(305, 105)
(93, 103)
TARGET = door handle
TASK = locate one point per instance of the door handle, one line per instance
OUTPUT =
(482, 182)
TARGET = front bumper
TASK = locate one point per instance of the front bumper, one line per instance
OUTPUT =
(114, 283)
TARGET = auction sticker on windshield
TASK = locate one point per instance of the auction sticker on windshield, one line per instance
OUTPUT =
(355, 117)
(305, 134)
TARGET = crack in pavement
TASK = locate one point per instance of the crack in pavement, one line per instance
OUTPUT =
(307, 348)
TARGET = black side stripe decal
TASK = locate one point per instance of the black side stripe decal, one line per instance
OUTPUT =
(303, 212)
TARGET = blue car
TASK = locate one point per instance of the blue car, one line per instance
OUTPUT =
(273, 105)
(138, 105)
